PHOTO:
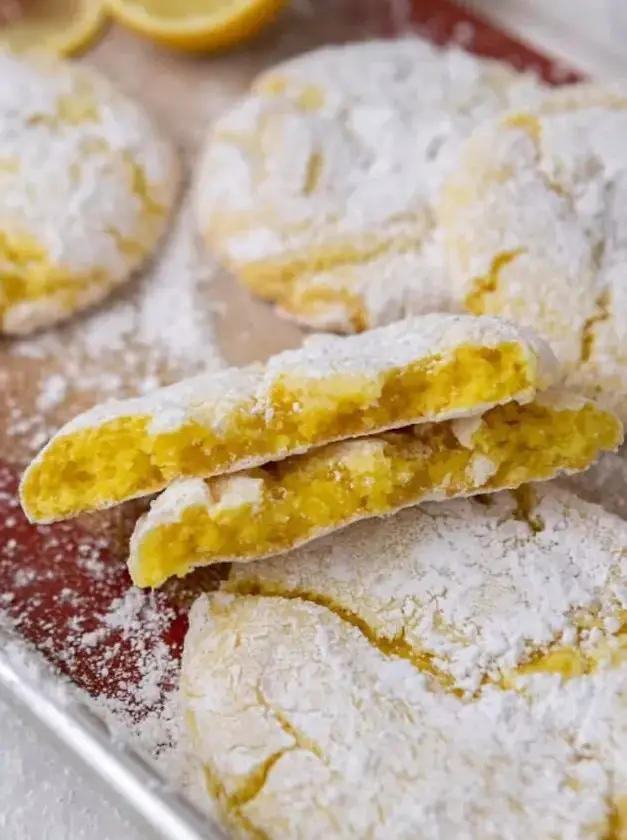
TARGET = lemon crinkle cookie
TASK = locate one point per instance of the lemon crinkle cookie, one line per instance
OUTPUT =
(429, 368)
(478, 591)
(303, 729)
(533, 228)
(332, 162)
(271, 509)
(365, 687)
(86, 186)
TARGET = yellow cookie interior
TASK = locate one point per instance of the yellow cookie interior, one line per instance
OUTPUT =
(98, 466)
(304, 496)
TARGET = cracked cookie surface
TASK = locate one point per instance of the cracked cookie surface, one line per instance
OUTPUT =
(533, 228)
(316, 189)
(481, 589)
(402, 679)
(423, 369)
(272, 509)
(86, 187)
(304, 729)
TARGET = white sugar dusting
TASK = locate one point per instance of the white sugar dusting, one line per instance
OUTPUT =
(53, 392)
(544, 194)
(342, 150)
(87, 184)
(499, 591)
(301, 675)
(39, 788)
(123, 646)
(213, 397)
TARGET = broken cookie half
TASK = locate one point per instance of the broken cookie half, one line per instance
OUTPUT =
(424, 369)
(440, 675)
(271, 509)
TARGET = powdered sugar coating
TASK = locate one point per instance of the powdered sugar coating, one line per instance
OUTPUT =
(86, 182)
(403, 343)
(472, 585)
(534, 229)
(333, 160)
(312, 731)
(211, 399)
(592, 712)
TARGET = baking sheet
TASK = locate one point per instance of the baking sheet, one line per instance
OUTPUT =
(65, 588)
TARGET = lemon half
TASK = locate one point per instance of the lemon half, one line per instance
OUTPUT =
(196, 25)
(63, 27)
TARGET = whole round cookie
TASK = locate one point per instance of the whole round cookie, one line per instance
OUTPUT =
(330, 164)
(86, 186)
(457, 671)
(534, 228)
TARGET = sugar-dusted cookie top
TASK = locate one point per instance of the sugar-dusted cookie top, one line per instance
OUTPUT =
(534, 229)
(456, 671)
(86, 185)
(477, 589)
(423, 369)
(303, 726)
(333, 160)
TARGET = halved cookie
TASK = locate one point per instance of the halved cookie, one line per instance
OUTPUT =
(419, 370)
(271, 509)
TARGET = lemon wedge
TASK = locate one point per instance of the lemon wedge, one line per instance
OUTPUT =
(196, 25)
(63, 27)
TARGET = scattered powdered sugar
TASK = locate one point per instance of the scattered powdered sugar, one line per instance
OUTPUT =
(67, 591)
(167, 317)
(53, 391)
(41, 791)
(144, 709)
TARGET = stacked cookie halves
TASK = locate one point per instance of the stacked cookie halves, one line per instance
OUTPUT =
(252, 462)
